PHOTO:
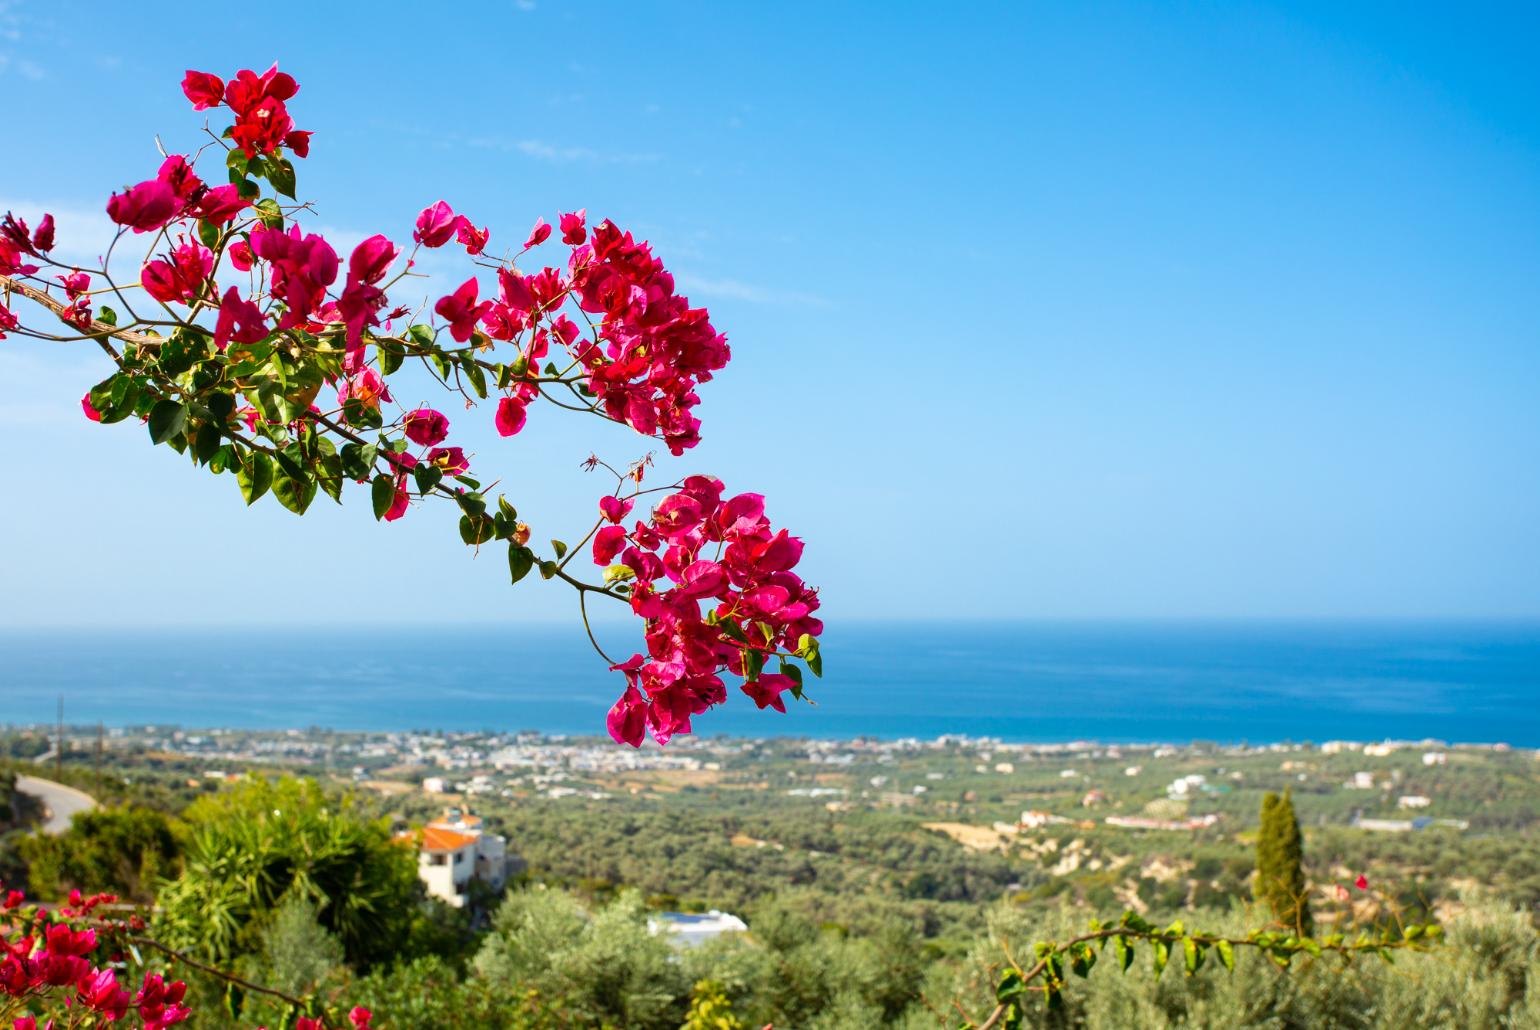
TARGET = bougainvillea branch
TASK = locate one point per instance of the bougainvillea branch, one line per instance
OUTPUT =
(1045, 975)
(247, 343)
(61, 967)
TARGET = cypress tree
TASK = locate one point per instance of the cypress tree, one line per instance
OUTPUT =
(1280, 880)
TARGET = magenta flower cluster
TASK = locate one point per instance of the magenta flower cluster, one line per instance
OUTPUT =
(699, 549)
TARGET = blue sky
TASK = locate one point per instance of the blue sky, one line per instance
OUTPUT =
(1064, 311)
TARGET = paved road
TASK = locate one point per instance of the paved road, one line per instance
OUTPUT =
(62, 802)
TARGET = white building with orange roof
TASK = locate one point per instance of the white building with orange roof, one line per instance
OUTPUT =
(455, 849)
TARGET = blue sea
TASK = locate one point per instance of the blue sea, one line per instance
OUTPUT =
(1030, 681)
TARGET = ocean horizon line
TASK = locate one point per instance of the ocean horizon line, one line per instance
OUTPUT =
(949, 620)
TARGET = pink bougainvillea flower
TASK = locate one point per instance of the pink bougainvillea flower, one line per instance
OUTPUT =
(299, 142)
(360, 1017)
(462, 311)
(364, 387)
(399, 501)
(371, 259)
(160, 281)
(436, 225)
(221, 204)
(204, 90)
(43, 238)
(145, 207)
(100, 991)
(262, 122)
(180, 279)
(248, 88)
(615, 508)
(177, 173)
(361, 299)
(608, 542)
(93, 415)
(573, 231)
(241, 256)
(451, 459)
(11, 261)
(766, 691)
(303, 266)
(240, 320)
(510, 416)
(1362, 883)
(426, 427)
(159, 1003)
(474, 239)
(539, 234)
(263, 129)
(75, 284)
(627, 721)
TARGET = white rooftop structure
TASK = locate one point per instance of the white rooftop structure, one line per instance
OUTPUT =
(691, 930)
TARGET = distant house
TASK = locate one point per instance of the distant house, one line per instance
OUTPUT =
(690, 930)
(455, 849)
(1033, 819)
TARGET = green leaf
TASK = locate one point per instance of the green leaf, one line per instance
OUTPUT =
(422, 336)
(1162, 954)
(1125, 952)
(255, 475)
(167, 419)
(208, 234)
(617, 573)
(235, 997)
(382, 494)
(520, 560)
(294, 493)
(1192, 955)
(1226, 954)
(548, 570)
(753, 663)
(358, 459)
(475, 530)
(206, 442)
(509, 512)
(560, 548)
(269, 212)
(427, 477)
(1011, 987)
(474, 373)
(330, 476)
(221, 405)
(814, 659)
(1082, 958)
(788, 669)
(280, 172)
